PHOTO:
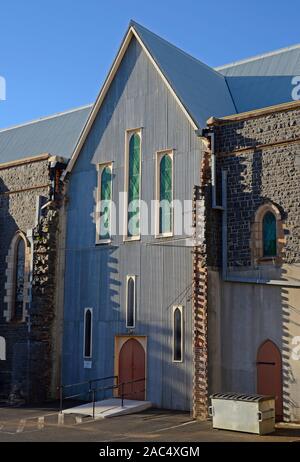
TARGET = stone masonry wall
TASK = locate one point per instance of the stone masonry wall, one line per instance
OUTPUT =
(18, 194)
(43, 302)
(262, 157)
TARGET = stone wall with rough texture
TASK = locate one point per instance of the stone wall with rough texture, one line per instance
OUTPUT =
(18, 193)
(26, 372)
(261, 301)
(43, 301)
(19, 187)
(262, 158)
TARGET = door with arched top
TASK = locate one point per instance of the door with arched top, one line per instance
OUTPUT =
(269, 374)
(132, 369)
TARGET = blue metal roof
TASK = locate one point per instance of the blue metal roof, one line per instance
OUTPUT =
(56, 135)
(264, 80)
(202, 90)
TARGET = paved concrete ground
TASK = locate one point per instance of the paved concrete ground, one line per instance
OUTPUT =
(149, 426)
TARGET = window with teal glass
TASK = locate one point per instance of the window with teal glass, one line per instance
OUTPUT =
(165, 194)
(105, 202)
(134, 178)
(269, 235)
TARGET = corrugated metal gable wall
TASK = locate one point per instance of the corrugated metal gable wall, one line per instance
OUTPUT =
(96, 275)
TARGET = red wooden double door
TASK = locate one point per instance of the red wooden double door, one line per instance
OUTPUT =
(132, 370)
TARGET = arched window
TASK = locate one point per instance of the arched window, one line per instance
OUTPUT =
(88, 333)
(165, 194)
(269, 235)
(17, 293)
(130, 302)
(105, 201)
(134, 178)
(19, 280)
(177, 334)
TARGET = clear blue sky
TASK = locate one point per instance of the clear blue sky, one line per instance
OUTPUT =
(55, 54)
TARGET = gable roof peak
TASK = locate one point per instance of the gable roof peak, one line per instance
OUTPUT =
(139, 28)
(199, 90)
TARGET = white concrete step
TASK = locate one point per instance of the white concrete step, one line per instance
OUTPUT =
(110, 408)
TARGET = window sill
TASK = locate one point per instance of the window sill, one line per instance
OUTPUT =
(131, 238)
(164, 235)
(103, 241)
(17, 321)
(269, 260)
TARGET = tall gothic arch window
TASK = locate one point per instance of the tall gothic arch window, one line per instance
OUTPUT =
(88, 319)
(178, 334)
(130, 302)
(17, 295)
(134, 186)
(165, 194)
(19, 280)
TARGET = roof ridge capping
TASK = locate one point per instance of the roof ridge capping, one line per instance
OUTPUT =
(41, 119)
(136, 25)
(257, 57)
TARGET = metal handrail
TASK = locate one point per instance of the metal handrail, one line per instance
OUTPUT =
(93, 391)
(113, 387)
(87, 382)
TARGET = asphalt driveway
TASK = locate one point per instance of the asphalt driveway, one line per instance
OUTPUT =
(30, 425)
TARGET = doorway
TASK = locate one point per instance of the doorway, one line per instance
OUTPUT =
(132, 369)
(269, 374)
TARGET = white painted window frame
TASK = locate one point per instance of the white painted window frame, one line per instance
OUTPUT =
(158, 156)
(100, 168)
(128, 134)
(181, 309)
(84, 331)
(131, 276)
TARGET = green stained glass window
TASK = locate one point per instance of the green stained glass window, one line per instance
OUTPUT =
(269, 235)
(105, 212)
(165, 194)
(134, 185)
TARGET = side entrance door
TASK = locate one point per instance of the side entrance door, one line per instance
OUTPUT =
(269, 374)
(132, 369)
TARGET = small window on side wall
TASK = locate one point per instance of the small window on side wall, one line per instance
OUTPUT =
(130, 302)
(269, 235)
(88, 325)
(178, 333)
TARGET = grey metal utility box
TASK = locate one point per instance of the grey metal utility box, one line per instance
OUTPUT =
(243, 413)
